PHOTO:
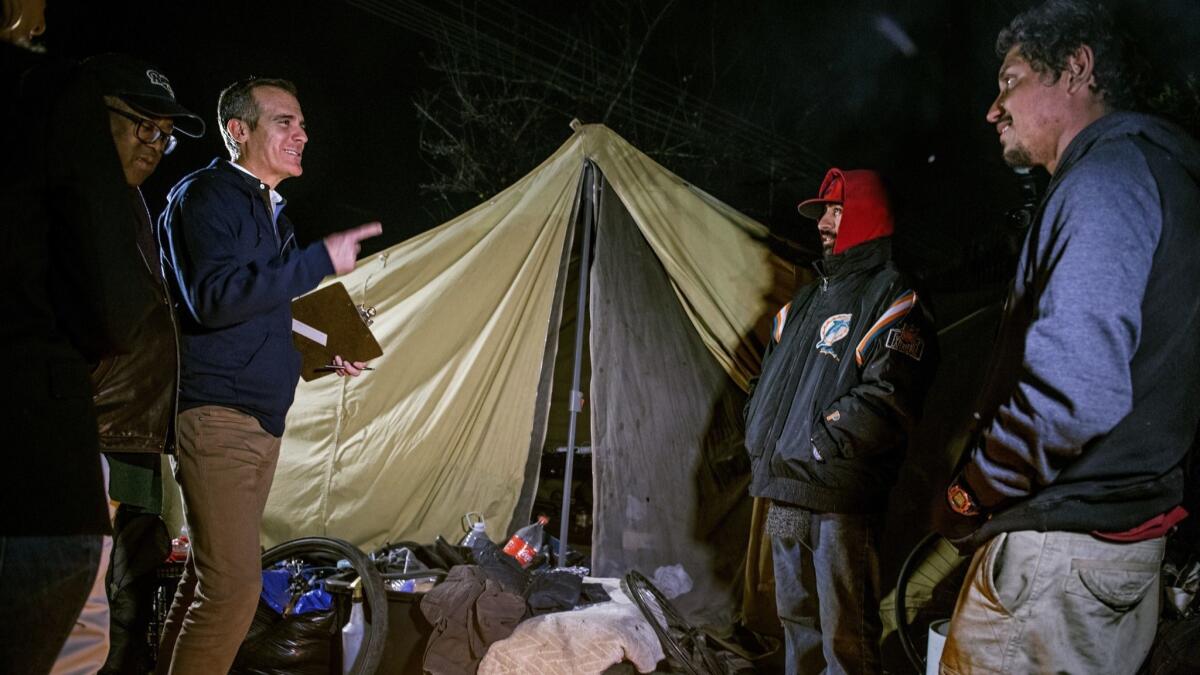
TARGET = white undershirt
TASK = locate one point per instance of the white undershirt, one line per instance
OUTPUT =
(276, 198)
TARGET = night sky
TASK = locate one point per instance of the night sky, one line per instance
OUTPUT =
(898, 86)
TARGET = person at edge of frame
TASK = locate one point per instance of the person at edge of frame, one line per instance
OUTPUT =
(69, 296)
(1091, 404)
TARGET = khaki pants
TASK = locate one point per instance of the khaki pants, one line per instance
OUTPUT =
(1055, 602)
(224, 466)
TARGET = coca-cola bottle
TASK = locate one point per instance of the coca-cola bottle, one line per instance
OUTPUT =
(526, 541)
(180, 547)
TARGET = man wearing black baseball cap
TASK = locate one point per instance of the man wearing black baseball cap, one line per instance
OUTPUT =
(143, 112)
(134, 394)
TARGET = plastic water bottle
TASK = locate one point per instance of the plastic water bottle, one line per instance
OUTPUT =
(476, 536)
(406, 560)
(526, 542)
(352, 632)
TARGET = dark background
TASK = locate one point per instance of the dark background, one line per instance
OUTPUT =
(770, 94)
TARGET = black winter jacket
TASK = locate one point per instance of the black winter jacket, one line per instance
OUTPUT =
(846, 374)
(69, 290)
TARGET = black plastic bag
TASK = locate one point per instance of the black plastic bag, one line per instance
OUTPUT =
(298, 644)
(501, 567)
(553, 592)
(440, 555)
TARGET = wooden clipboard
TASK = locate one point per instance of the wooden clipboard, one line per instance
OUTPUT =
(326, 323)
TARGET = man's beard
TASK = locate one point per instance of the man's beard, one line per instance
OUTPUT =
(827, 246)
(1018, 156)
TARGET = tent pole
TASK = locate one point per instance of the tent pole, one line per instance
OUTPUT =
(589, 224)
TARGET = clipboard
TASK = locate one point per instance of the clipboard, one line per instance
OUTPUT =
(326, 323)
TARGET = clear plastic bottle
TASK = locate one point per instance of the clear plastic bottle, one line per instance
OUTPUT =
(352, 632)
(476, 536)
(525, 542)
(403, 560)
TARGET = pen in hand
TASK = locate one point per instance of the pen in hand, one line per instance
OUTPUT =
(344, 367)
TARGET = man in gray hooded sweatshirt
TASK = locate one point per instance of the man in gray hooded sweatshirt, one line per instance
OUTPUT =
(1093, 397)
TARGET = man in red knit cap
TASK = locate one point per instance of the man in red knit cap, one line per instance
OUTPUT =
(846, 371)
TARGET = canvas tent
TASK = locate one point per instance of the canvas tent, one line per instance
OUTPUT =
(458, 410)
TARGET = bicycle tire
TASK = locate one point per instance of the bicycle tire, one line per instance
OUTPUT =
(689, 649)
(926, 590)
(329, 550)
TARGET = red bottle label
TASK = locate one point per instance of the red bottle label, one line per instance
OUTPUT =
(523, 552)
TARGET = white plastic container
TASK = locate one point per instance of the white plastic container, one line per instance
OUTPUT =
(352, 632)
(937, 641)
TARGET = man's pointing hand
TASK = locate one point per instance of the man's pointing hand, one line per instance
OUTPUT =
(343, 247)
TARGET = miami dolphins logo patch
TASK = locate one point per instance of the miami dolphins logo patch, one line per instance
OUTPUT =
(835, 328)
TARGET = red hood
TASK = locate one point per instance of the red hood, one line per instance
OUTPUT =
(866, 213)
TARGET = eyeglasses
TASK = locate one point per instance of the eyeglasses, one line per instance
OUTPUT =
(148, 132)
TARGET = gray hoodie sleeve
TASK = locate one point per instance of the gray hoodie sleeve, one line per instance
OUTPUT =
(1087, 275)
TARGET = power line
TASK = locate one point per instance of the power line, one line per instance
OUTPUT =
(563, 65)
(663, 85)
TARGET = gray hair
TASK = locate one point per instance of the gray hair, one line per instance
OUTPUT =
(237, 102)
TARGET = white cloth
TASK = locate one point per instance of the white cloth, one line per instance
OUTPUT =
(579, 642)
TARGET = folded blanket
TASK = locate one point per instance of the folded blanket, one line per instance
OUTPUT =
(579, 642)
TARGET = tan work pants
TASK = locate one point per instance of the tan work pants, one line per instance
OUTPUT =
(1055, 602)
(224, 466)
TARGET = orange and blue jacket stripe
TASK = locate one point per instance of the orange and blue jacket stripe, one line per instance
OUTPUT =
(777, 324)
(899, 309)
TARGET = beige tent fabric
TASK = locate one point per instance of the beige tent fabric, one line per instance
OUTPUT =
(720, 272)
(443, 424)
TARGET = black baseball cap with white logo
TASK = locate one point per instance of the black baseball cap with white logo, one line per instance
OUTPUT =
(144, 88)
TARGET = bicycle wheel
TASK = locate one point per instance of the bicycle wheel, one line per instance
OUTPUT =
(682, 643)
(926, 591)
(328, 551)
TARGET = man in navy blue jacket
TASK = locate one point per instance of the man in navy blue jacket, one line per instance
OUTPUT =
(235, 267)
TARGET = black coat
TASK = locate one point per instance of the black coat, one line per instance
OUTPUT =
(69, 290)
(847, 374)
